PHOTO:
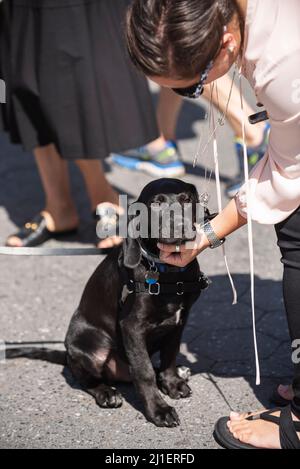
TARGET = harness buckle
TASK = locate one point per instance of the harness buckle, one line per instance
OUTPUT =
(180, 291)
(127, 291)
(204, 281)
(130, 287)
(155, 292)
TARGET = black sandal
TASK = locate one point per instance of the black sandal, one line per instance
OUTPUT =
(108, 222)
(288, 430)
(35, 233)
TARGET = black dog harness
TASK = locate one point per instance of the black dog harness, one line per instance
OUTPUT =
(171, 281)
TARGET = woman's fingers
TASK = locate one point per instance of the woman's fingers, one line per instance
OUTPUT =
(181, 259)
(180, 256)
(178, 260)
(169, 248)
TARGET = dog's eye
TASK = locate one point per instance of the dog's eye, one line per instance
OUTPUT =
(184, 199)
(160, 199)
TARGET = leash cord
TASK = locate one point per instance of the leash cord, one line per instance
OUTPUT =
(220, 208)
(50, 252)
(250, 231)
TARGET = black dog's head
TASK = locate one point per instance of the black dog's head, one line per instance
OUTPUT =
(172, 206)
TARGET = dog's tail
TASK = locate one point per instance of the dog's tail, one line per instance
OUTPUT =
(11, 351)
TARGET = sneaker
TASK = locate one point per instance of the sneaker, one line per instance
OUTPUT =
(164, 163)
(255, 154)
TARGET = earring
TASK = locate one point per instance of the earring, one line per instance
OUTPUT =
(231, 49)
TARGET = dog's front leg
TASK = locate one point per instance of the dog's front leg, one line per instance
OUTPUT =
(168, 380)
(143, 375)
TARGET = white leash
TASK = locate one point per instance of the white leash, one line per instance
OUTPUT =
(250, 231)
(213, 136)
(220, 207)
(49, 252)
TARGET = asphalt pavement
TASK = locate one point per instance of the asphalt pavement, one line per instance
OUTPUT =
(42, 407)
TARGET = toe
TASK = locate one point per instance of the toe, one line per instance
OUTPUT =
(236, 417)
(237, 426)
(244, 436)
(14, 242)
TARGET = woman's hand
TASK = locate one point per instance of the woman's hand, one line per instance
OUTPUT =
(188, 252)
(223, 225)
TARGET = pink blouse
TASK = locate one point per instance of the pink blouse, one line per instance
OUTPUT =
(272, 66)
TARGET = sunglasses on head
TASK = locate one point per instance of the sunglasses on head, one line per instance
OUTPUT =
(195, 91)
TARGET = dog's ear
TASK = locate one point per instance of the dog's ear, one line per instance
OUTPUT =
(209, 216)
(132, 254)
(198, 217)
(194, 193)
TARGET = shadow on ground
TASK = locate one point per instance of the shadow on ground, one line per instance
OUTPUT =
(218, 340)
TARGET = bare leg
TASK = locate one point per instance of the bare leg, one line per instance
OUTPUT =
(254, 133)
(170, 104)
(60, 212)
(98, 187)
(99, 191)
(168, 110)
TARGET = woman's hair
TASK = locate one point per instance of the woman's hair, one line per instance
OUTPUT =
(176, 38)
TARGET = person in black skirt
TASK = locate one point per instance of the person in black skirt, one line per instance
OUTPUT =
(72, 94)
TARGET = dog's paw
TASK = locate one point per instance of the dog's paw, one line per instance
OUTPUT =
(109, 398)
(164, 416)
(173, 386)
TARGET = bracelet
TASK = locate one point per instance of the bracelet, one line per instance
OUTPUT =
(213, 239)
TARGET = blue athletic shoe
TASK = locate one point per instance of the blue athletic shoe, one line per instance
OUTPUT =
(255, 154)
(165, 163)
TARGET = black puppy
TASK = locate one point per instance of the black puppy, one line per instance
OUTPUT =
(134, 306)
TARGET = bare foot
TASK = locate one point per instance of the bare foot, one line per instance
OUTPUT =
(64, 221)
(258, 433)
(111, 241)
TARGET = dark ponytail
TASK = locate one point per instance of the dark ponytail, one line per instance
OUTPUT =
(176, 38)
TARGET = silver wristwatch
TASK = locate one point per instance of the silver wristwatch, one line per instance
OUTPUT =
(213, 239)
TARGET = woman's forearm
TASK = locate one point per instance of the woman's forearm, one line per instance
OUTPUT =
(228, 221)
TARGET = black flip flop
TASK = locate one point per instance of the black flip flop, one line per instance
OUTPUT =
(225, 438)
(35, 233)
(288, 430)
